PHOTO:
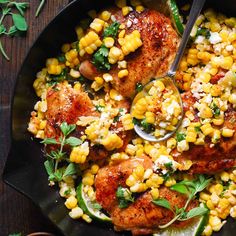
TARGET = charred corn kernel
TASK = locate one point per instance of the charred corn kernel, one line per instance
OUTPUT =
(122, 64)
(79, 153)
(74, 73)
(135, 3)
(207, 231)
(130, 181)
(217, 121)
(227, 132)
(120, 3)
(210, 205)
(123, 73)
(204, 196)
(121, 34)
(139, 8)
(224, 176)
(155, 193)
(215, 90)
(232, 37)
(131, 149)
(108, 42)
(206, 129)
(233, 212)
(204, 56)
(88, 181)
(214, 198)
(115, 95)
(147, 173)
(105, 15)
(232, 98)
(97, 25)
(127, 122)
(131, 42)
(138, 188)
(89, 43)
(65, 47)
(94, 169)
(216, 136)
(171, 143)
(76, 213)
(150, 117)
(126, 10)
(54, 69)
(71, 202)
(159, 85)
(115, 54)
(112, 142)
(182, 146)
(204, 77)
(217, 188)
(107, 77)
(139, 171)
(183, 65)
(86, 218)
(169, 182)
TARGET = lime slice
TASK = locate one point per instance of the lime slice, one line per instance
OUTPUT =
(175, 16)
(88, 207)
(194, 229)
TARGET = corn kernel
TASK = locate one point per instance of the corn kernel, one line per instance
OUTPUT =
(123, 73)
(105, 15)
(125, 10)
(76, 213)
(155, 193)
(71, 202)
(227, 132)
(108, 42)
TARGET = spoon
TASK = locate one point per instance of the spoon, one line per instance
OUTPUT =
(168, 80)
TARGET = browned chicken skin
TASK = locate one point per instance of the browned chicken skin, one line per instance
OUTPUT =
(151, 59)
(142, 216)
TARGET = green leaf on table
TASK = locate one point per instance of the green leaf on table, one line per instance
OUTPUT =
(73, 141)
(70, 170)
(181, 188)
(2, 29)
(13, 31)
(49, 141)
(67, 129)
(19, 22)
(21, 6)
(15, 234)
(163, 203)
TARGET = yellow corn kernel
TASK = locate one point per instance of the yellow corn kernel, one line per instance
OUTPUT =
(76, 213)
(54, 69)
(210, 205)
(71, 202)
(115, 54)
(79, 153)
(139, 8)
(42, 124)
(204, 196)
(232, 98)
(125, 10)
(223, 204)
(215, 222)
(65, 47)
(206, 129)
(224, 176)
(112, 142)
(105, 15)
(108, 42)
(233, 212)
(88, 180)
(159, 85)
(171, 143)
(216, 136)
(130, 181)
(218, 121)
(86, 218)
(80, 33)
(120, 3)
(155, 193)
(205, 77)
(207, 231)
(115, 95)
(74, 73)
(232, 37)
(204, 56)
(217, 188)
(227, 132)
(94, 169)
(169, 182)
(183, 65)
(131, 149)
(123, 73)
(226, 63)
(139, 171)
(127, 122)
(121, 34)
(214, 198)
(150, 117)
(215, 90)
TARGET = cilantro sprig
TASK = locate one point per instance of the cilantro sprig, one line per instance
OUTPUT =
(58, 155)
(189, 188)
(100, 59)
(124, 197)
(111, 30)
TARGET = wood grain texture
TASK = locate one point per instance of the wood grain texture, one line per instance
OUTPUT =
(17, 213)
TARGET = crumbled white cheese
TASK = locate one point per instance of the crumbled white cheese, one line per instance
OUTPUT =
(199, 39)
(229, 48)
(215, 38)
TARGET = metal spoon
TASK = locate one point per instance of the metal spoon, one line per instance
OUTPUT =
(169, 78)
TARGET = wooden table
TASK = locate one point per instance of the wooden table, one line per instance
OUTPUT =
(17, 213)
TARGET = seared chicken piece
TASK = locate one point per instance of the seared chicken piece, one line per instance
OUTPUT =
(141, 217)
(152, 59)
(210, 158)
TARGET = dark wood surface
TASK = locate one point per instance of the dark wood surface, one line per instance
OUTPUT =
(17, 213)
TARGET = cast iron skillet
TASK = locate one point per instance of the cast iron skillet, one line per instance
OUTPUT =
(24, 169)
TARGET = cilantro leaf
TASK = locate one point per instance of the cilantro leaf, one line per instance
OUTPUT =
(99, 108)
(180, 136)
(163, 203)
(111, 30)
(124, 197)
(100, 59)
(73, 141)
(215, 109)
(203, 31)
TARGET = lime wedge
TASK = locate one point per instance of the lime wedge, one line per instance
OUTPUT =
(175, 16)
(194, 229)
(88, 207)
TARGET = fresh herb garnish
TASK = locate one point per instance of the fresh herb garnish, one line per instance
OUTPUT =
(116, 118)
(180, 136)
(67, 192)
(189, 188)
(58, 155)
(111, 30)
(99, 108)
(96, 206)
(147, 127)
(100, 59)
(204, 32)
(135, 121)
(197, 128)
(139, 87)
(124, 197)
(215, 109)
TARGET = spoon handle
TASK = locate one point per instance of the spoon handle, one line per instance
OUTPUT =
(194, 13)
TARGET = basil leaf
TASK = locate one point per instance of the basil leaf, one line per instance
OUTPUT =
(70, 170)
(67, 129)
(49, 166)
(73, 141)
(49, 141)
(163, 203)
(197, 211)
(179, 188)
(19, 22)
